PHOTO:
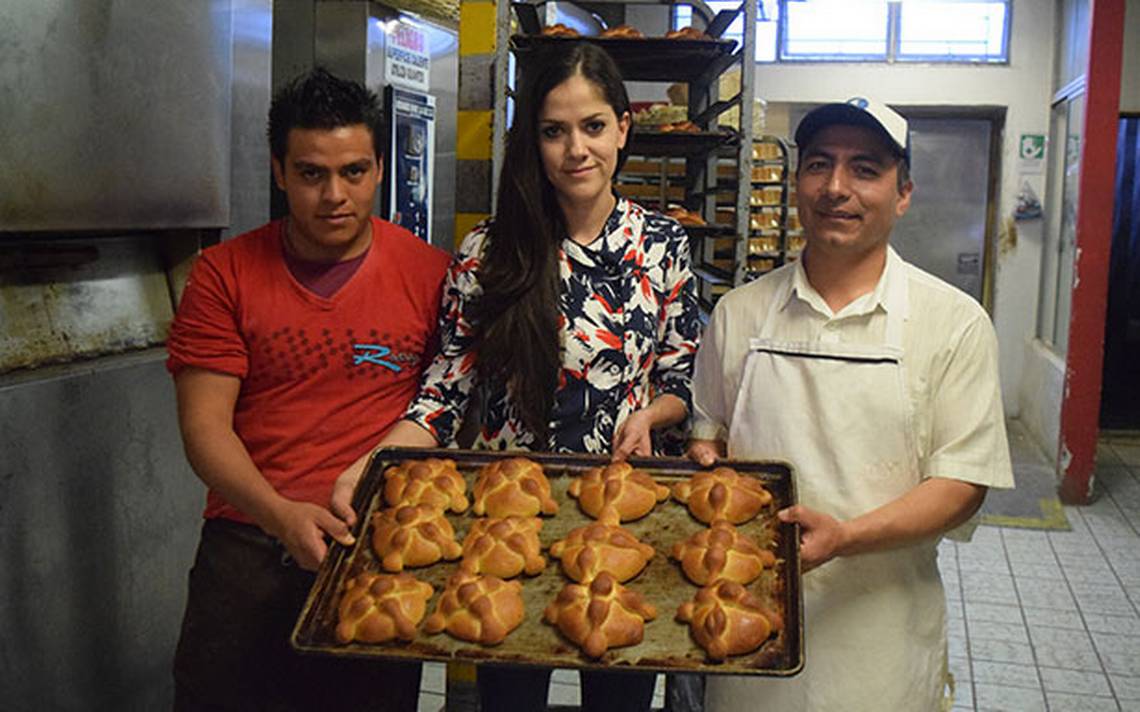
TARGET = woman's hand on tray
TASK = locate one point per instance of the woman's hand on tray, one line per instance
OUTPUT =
(633, 434)
(302, 526)
(404, 433)
(705, 452)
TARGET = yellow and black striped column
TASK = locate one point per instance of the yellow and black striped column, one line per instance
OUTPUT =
(473, 178)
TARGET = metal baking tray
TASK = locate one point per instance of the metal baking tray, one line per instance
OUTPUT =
(667, 645)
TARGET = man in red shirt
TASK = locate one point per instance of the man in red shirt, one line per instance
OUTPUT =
(295, 348)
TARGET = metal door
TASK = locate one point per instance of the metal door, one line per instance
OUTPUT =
(944, 231)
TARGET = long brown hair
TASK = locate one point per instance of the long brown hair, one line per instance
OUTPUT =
(516, 320)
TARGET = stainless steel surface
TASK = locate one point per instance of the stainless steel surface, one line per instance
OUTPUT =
(667, 643)
(99, 517)
(944, 230)
(252, 82)
(114, 115)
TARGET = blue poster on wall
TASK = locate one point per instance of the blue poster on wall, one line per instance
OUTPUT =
(411, 149)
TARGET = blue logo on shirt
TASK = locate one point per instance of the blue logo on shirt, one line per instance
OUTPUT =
(373, 353)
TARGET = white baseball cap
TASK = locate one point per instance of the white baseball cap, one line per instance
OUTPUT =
(858, 111)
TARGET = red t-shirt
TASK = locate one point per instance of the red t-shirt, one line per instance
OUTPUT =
(322, 378)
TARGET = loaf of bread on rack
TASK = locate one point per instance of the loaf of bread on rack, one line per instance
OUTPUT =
(685, 216)
(514, 487)
(722, 493)
(417, 535)
(687, 33)
(618, 486)
(622, 32)
(432, 481)
(722, 552)
(600, 615)
(504, 547)
(725, 619)
(376, 608)
(559, 30)
(679, 127)
(478, 609)
(601, 546)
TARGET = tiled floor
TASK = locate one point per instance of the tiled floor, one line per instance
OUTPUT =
(1038, 620)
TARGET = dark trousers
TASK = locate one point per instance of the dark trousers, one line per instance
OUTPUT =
(234, 652)
(516, 689)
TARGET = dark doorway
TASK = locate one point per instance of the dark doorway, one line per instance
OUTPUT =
(1120, 399)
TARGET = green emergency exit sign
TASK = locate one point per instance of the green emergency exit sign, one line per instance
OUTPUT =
(1032, 146)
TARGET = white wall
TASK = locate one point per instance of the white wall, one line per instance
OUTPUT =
(1024, 86)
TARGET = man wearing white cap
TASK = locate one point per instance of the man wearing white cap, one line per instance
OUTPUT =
(879, 383)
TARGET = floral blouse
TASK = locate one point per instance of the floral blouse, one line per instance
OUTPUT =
(629, 328)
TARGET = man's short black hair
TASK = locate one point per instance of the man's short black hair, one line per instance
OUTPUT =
(322, 100)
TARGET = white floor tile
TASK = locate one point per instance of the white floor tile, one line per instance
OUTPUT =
(430, 702)
(1068, 702)
(1042, 593)
(960, 669)
(1063, 648)
(562, 694)
(979, 611)
(434, 678)
(1012, 632)
(1119, 625)
(1075, 681)
(998, 698)
(1120, 653)
(1126, 687)
(564, 677)
(1007, 674)
(1001, 651)
(1054, 617)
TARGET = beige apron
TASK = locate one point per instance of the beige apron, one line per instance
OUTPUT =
(875, 623)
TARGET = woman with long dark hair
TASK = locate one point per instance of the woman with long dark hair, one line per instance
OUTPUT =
(571, 313)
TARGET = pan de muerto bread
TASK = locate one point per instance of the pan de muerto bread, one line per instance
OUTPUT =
(479, 609)
(514, 487)
(721, 552)
(377, 608)
(431, 481)
(726, 620)
(723, 493)
(601, 547)
(417, 535)
(600, 615)
(629, 492)
(504, 547)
